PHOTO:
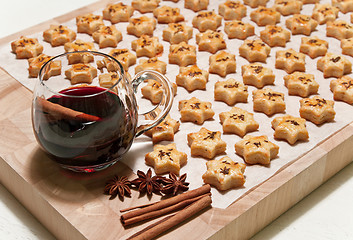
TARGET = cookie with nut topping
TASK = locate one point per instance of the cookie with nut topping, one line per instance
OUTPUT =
(231, 92)
(289, 128)
(257, 75)
(268, 101)
(317, 110)
(196, 111)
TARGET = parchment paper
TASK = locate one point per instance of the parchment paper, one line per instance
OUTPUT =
(197, 166)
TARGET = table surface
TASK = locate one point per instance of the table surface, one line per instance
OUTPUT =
(324, 214)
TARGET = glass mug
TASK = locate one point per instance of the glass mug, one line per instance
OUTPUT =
(87, 125)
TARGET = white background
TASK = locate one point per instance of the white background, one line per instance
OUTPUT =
(327, 213)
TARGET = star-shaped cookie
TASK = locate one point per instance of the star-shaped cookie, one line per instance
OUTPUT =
(177, 32)
(343, 5)
(339, 29)
(166, 159)
(79, 45)
(224, 173)
(263, 16)
(301, 84)
(147, 46)
(151, 64)
(257, 75)
(141, 26)
(207, 20)
(347, 46)
(232, 10)
(256, 149)
(313, 46)
(238, 121)
(26, 47)
(182, 54)
(107, 36)
(124, 56)
(35, 63)
(194, 110)
(154, 91)
(238, 29)
(210, 41)
(108, 80)
(196, 5)
(222, 63)
(164, 131)
(254, 50)
(167, 14)
(290, 60)
(230, 91)
(81, 73)
(288, 7)
(342, 89)
(289, 128)
(206, 143)
(88, 23)
(268, 101)
(317, 110)
(192, 78)
(145, 6)
(58, 35)
(118, 12)
(255, 3)
(334, 65)
(324, 13)
(275, 36)
(301, 24)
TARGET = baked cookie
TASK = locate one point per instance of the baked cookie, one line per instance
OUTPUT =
(207, 20)
(347, 46)
(144, 6)
(79, 45)
(166, 159)
(196, 5)
(255, 3)
(153, 91)
(206, 143)
(210, 41)
(334, 65)
(313, 46)
(107, 36)
(164, 131)
(268, 101)
(238, 121)
(141, 26)
(224, 174)
(26, 47)
(88, 23)
(151, 64)
(290, 61)
(324, 13)
(263, 16)
(256, 150)
(108, 80)
(301, 84)
(222, 63)
(118, 12)
(301, 24)
(254, 50)
(182, 54)
(257, 75)
(288, 7)
(58, 35)
(238, 29)
(342, 89)
(192, 78)
(147, 46)
(35, 64)
(232, 10)
(81, 73)
(275, 36)
(166, 14)
(343, 5)
(289, 128)
(230, 92)
(177, 32)
(317, 110)
(339, 29)
(193, 110)
(124, 56)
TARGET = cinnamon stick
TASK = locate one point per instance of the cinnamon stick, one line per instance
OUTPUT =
(60, 112)
(162, 211)
(167, 202)
(162, 226)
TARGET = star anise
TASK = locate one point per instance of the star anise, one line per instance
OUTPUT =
(147, 183)
(118, 186)
(174, 185)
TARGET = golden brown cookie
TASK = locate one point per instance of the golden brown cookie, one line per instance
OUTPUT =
(256, 149)
(88, 23)
(275, 36)
(124, 56)
(238, 121)
(166, 159)
(301, 84)
(108, 80)
(118, 12)
(151, 64)
(182, 54)
(313, 46)
(301, 24)
(147, 46)
(257, 75)
(339, 29)
(224, 173)
(232, 10)
(58, 35)
(238, 29)
(167, 14)
(288, 7)
(107, 36)
(79, 45)
(206, 143)
(343, 5)
(317, 110)
(196, 5)
(263, 16)
(254, 50)
(210, 41)
(35, 64)
(290, 61)
(192, 78)
(289, 128)
(141, 26)
(342, 89)
(154, 91)
(26, 47)
(255, 3)
(268, 101)
(81, 73)
(347, 46)
(324, 13)
(222, 63)
(164, 131)
(207, 20)
(230, 92)
(196, 111)
(144, 6)
(334, 65)
(177, 32)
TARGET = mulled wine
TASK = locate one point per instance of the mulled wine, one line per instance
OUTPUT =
(84, 126)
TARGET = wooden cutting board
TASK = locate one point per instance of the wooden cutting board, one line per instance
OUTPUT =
(72, 205)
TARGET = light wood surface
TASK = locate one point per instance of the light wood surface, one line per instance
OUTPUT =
(72, 205)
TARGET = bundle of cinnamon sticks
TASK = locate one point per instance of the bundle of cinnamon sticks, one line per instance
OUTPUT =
(190, 203)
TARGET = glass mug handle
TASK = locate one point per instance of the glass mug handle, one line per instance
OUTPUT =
(164, 105)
